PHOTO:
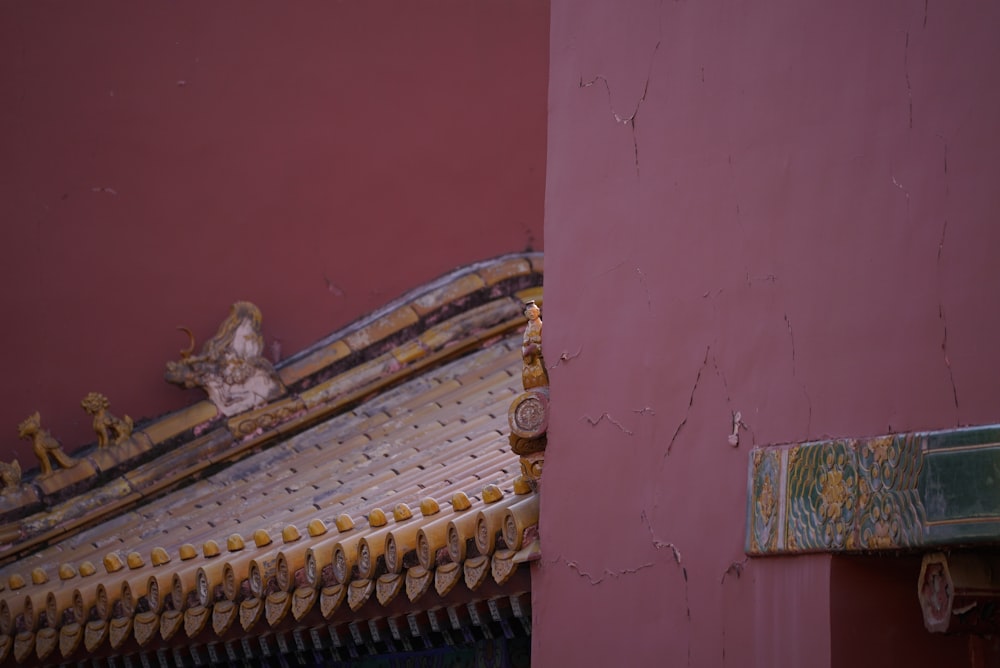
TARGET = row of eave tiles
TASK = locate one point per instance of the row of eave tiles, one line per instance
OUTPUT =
(436, 443)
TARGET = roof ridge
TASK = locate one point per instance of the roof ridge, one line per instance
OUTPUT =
(424, 328)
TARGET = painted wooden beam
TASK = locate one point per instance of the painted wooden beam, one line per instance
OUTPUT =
(887, 493)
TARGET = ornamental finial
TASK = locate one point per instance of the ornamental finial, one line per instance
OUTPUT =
(534, 373)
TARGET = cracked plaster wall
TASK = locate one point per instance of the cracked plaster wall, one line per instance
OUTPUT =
(786, 210)
(161, 161)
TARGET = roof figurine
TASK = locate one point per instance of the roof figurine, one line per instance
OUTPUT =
(10, 476)
(110, 429)
(44, 445)
(230, 367)
(534, 373)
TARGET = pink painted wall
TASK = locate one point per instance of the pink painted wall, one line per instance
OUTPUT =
(161, 161)
(786, 210)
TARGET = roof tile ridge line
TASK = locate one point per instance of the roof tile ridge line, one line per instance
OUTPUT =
(396, 306)
(406, 299)
(463, 331)
(534, 267)
(241, 447)
(322, 410)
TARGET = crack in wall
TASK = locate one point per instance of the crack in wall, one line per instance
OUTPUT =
(906, 74)
(614, 268)
(661, 545)
(732, 182)
(607, 417)
(748, 279)
(616, 574)
(947, 360)
(906, 193)
(722, 377)
(735, 569)
(529, 245)
(629, 120)
(766, 278)
(942, 314)
(740, 424)
(805, 392)
(676, 553)
(566, 356)
(607, 573)
(809, 420)
(645, 287)
(791, 337)
(694, 389)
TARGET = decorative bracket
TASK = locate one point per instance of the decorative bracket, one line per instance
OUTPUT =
(960, 592)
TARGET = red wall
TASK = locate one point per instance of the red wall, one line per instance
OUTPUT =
(875, 617)
(785, 210)
(162, 160)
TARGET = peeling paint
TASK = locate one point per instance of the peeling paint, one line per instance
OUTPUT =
(565, 356)
(735, 569)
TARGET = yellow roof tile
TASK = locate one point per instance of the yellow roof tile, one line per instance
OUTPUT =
(506, 269)
(435, 436)
(319, 360)
(449, 293)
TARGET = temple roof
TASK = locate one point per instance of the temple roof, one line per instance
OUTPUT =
(372, 499)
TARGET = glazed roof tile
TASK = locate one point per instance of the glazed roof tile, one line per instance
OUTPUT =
(418, 416)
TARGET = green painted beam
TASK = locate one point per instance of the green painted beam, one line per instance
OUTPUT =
(893, 492)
